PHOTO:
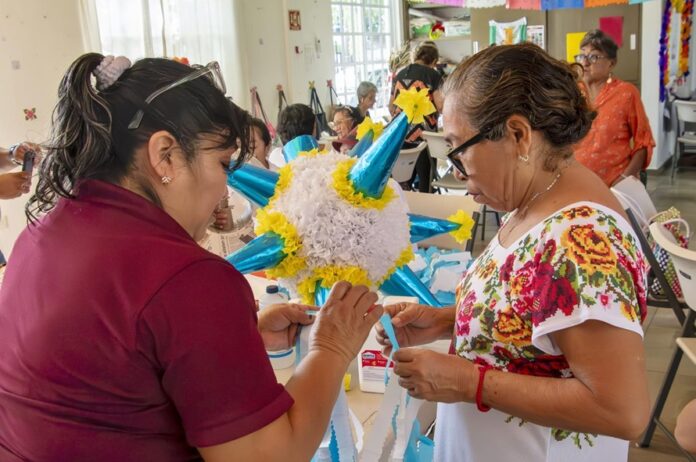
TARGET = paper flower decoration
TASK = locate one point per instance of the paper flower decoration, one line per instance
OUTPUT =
(328, 217)
(366, 125)
(415, 103)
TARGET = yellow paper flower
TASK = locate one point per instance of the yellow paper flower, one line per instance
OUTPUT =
(415, 103)
(330, 275)
(466, 223)
(345, 190)
(367, 125)
(406, 256)
(313, 153)
(276, 222)
(284, 179)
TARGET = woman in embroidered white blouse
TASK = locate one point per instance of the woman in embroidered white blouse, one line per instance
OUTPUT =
(546, 331)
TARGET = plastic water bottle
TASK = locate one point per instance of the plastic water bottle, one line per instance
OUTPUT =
(280, 359)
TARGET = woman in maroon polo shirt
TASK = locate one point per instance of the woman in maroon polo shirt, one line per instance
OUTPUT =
(122, 338)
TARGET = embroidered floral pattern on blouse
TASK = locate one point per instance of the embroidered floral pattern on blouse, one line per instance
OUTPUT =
(580, 260)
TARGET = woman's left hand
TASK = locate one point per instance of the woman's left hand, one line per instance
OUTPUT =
(279, 323)
(435, 376)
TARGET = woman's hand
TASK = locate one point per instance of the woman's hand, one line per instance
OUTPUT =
(25, 147)
(14, 184)
(345, 320)
(416, 324)
(279, 324)
(435, 376)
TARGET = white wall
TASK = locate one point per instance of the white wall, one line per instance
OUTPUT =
(44, 37)
(271, 58)
(650, 79)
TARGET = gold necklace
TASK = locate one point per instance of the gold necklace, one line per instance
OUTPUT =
(529, 202)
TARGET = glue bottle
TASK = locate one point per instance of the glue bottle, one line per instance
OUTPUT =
(280, 359)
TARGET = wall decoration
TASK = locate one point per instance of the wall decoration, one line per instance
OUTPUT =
(664, 49)
(507, 33)
(560, 4)
(294, 18)
(30, 114)
(535, 35)
(687, 11)
(613, 27)
(573, 40)
(523, 5)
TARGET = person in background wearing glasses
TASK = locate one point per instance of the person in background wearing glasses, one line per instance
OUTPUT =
(124, 340)
(367, 96)
(345, 123)
(547, 361)
(620, 143)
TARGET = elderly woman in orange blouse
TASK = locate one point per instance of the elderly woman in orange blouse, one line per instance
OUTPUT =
(619, 143)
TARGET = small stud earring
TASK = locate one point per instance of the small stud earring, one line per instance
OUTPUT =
(525, 158)
(166, 179)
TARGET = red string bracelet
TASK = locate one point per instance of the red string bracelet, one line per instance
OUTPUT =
(479, 390)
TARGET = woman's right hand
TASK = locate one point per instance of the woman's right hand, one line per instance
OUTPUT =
(416, 324)
(345, 320)
(14, 184)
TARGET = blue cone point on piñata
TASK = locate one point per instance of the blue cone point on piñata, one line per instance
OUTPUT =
(363, 145)
(255, 183)
(404, 282)
(372, 171)
(265, 251)
(321, 294)
(295, 146)
(423, 227)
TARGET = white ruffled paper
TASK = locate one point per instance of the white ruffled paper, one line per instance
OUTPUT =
(334, 232)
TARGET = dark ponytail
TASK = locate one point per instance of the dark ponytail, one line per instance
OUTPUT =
(90, 138)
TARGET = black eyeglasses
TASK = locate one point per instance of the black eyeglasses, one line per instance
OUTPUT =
(592, 59)
(454, 153)
(211, 70)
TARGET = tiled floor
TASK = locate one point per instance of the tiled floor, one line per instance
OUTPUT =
(661, 326)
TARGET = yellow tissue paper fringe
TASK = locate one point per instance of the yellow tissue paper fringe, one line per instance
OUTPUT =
(367, 125)
(415, 103)
(284, 180)
(344, 189)
(466, 224)
(330, 275)
(313, 153)
(276, 222)
(406, 256)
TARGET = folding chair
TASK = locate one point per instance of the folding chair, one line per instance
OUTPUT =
(684, 261)
(686, 113)
(406, 162)
(438, 148)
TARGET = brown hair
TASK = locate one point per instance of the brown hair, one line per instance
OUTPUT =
(90, 138)
(600, 41)
(427, 53)
(523, 79)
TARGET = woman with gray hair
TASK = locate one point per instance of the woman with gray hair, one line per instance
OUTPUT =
(547, 359)
(367, 95)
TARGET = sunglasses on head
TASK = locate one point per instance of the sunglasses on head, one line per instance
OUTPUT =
(212, 71)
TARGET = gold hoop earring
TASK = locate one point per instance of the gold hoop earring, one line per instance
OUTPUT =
(166, 179)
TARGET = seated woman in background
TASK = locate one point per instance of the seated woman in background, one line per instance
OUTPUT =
(260, 144)
(345, 123)
(546, 329)
(141, 345)
(293, 121)
(367, 96)
(620, 142)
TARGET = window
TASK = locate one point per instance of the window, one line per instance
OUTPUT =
(200, 30)
(364, 33)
